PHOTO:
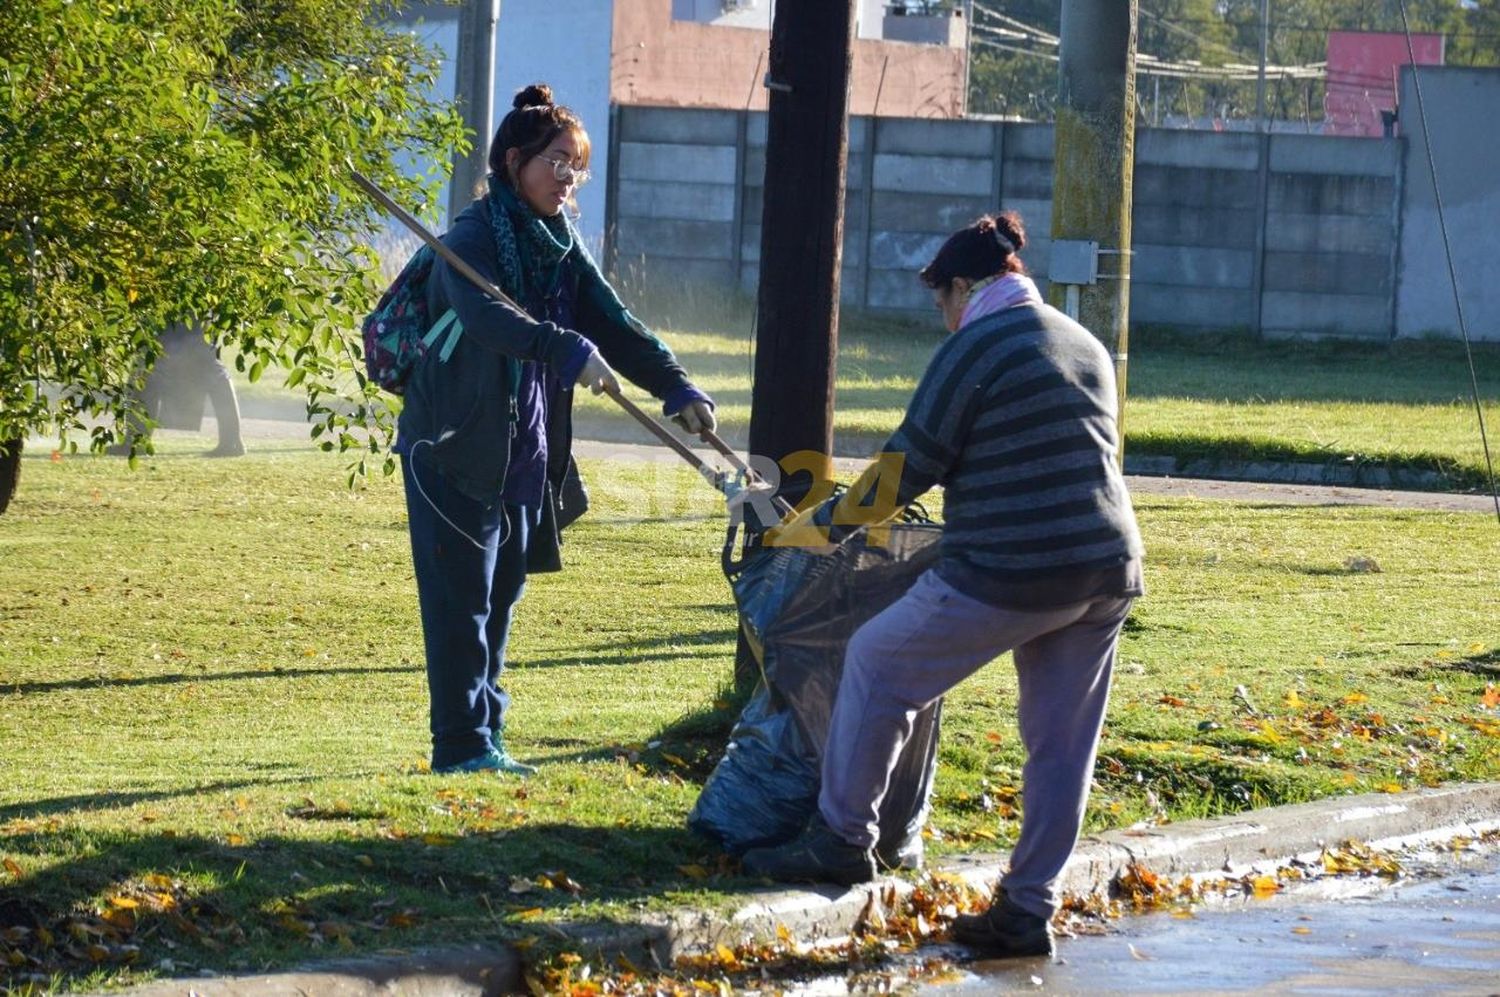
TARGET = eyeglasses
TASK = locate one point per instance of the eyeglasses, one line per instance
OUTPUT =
(563, 171)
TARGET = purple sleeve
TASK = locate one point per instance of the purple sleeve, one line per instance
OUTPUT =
(573, 365)
(678, 398)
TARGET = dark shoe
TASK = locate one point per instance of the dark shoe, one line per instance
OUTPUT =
(1004, 930)
(817, 855)
(893, 859)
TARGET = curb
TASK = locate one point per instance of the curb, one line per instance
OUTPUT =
(1335, 473)
(1233, 844)
(604, 439)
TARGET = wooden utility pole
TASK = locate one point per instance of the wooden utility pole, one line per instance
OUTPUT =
(1093, 172)
(474, 91)
(801, 248)
(802, 234)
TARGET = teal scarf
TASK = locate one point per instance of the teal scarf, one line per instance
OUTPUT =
(531, 248)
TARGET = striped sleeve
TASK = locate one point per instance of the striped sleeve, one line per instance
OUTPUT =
(927, 444)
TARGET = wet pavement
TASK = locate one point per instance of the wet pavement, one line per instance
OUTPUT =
(1436, 931)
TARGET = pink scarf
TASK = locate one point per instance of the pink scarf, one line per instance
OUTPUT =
(1006, 292)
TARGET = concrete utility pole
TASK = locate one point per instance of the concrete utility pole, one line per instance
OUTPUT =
(802, 234)
(1093, 172)
(474, 91)
(1260, 77)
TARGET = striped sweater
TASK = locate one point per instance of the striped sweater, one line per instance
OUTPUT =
(1016, 418)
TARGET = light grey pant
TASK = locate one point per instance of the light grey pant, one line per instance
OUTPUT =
(926, 643)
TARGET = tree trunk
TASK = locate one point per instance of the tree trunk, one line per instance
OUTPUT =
(10, 470)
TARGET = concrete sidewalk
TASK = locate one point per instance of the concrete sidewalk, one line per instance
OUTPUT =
(1290, 488)
(1255, 840)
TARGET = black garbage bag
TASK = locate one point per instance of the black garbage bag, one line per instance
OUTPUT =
(798, 610)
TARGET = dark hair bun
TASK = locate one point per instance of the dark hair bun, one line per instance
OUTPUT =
(536, 95)
(989, 247)
(1008, 224)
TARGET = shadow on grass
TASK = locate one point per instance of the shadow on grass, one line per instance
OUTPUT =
(180, 905)
(85, 802)
(686, 748)
(638, 652)
(1485, 664)
(65, 685)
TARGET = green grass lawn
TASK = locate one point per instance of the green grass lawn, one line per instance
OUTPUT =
(1406, 406)
(213, 714)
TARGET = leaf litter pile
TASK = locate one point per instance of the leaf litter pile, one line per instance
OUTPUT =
(889, 946)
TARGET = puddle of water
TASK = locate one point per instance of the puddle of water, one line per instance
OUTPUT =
(1435, 931)
(1438, 932)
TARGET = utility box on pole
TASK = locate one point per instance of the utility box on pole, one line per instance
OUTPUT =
(1093, 172)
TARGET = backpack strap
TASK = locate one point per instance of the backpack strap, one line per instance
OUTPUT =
(448, 323)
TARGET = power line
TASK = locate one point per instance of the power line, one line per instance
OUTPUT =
(1320, 29)
(1145, 62)
(1207, 42)
(1458, 302)
(1045, 36)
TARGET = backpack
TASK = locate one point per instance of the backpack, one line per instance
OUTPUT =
(399, 332)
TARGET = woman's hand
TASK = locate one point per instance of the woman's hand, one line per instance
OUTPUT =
(597, 376)
(696, 417)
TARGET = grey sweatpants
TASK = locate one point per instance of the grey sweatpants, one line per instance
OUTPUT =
(926, 643)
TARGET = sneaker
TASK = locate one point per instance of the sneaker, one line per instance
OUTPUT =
(817, 855)
(508, 764)
(490, 761)
(1004, 930)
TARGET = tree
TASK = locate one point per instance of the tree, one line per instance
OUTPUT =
(170, 158)
(1013, 75)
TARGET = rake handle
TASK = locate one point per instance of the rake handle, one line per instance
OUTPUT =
(457, 262)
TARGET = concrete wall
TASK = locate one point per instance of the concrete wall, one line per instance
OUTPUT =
(634, 51)
(1463, 122)
(687, 201)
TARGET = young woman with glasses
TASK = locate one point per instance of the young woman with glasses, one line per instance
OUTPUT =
(485, 433)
